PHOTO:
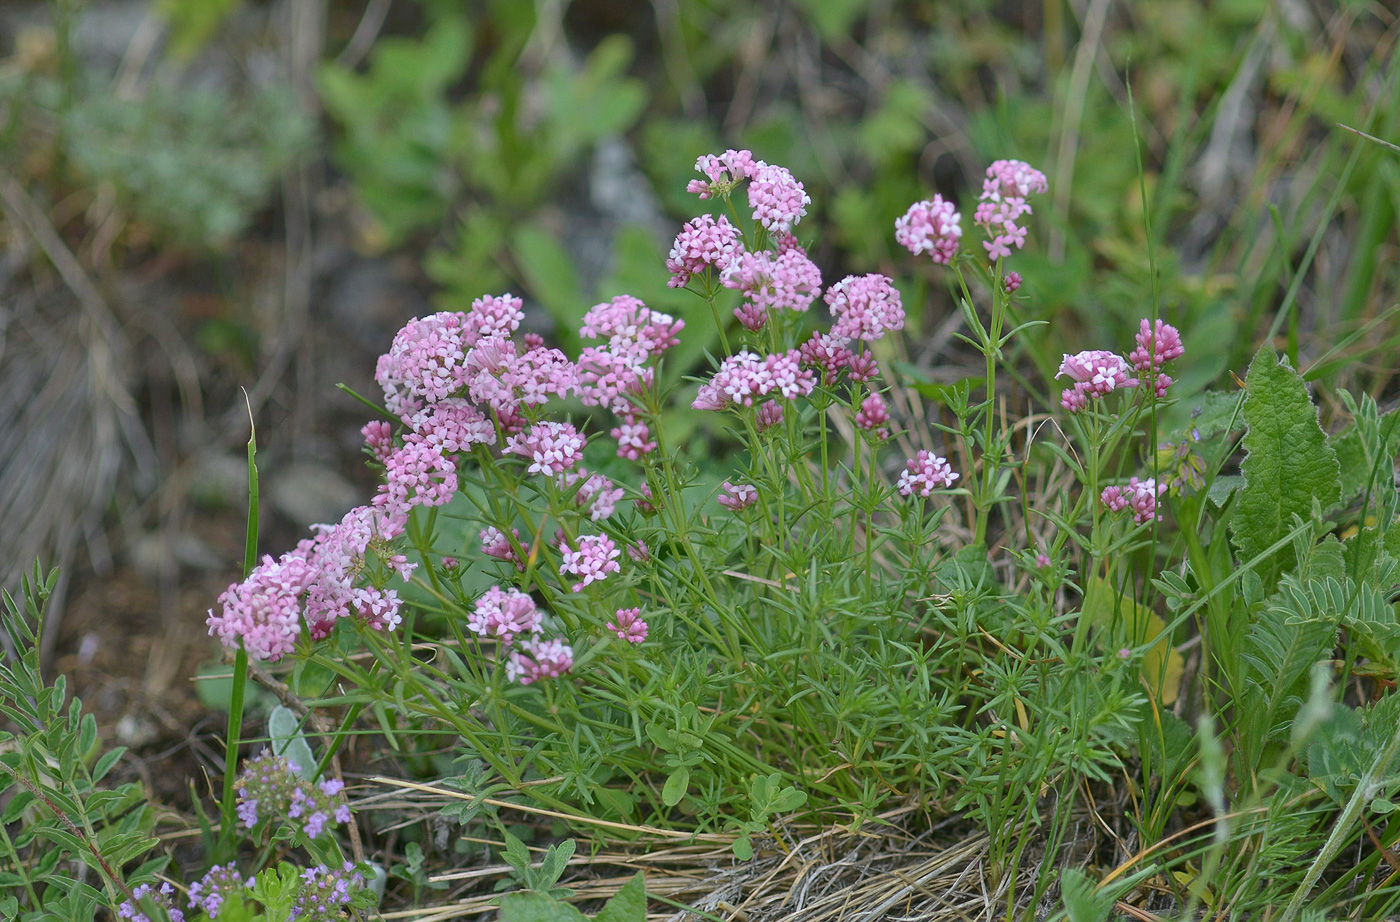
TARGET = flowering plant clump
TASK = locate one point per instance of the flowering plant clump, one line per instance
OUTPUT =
(838, 588)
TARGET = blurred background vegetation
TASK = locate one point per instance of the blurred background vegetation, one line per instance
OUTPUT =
(217, 208)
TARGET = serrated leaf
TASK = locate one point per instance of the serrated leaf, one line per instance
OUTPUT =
(675, 787)
(1289, 463)
(628, 905)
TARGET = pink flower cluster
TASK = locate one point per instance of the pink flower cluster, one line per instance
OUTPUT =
(864, 307)
(270, 788)
(504, 615)
(932, 226)
(872, 417)
(702, 243)
(628, 625)
(785, 281)
(1156, 344)
(1139, 495)
(592, 560)
(539, 659)
(738, 496)
(597, 495)
(744, 377)
(777, 199)
(1003, 204)
(1097, 373)
(494, 543)
(924, 473)
(551, 447)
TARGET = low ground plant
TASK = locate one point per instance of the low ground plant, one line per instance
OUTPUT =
(1004, 598)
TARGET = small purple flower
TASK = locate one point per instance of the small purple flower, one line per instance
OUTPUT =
(628, 625)
(738, 496)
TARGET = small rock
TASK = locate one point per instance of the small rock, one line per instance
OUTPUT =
(311, 494)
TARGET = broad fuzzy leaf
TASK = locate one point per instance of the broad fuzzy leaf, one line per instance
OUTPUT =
(1289, 465)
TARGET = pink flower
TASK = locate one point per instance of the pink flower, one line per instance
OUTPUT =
(865, 307)
(769, 415)
(862, 367)
(379, 438)
(425, 362)
(787, 281)
(1095, 373)
(777, 199)
(592, 561)
(264, 611)
(551, 447)
(495, 544)
(628, 625)
(539, 659)
(924, 473)
(495, 315)
(1042, 560)
(826, 352)
(702, 243)
(723, 171)
(639, 551)
(1003, 204)
(1156, 345)
(633, 439)
(418, 474)
(738, 496)
(504, 615)
(933, 226)
(1139, 495)
(596, 494)
(1011, 282)
(449, 426)
(608, 379)
(873, 416)
(744, 376)
(631, 328)
(647, 504)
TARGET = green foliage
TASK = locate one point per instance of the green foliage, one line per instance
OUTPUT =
(78, 842)
(628, 905)
(1290, 469)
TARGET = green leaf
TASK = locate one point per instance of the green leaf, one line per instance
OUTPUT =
(629, 905)
(1084, 902)
(549, 274)
(742, 848)
(833, 18)
(675, 786)
(537, 907)
(287, 740)
(1289, 464)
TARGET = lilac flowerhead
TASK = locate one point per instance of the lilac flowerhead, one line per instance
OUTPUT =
(131, 909)
(1139, 495)
(703, 242)
(628, 625)
(1157, 344)
(592, 560)
(924, 473)
(551, 447)
(933, 227)
(1013, 178)
(504, 615)
(864, 307)
(264, 788)
(539, 659)
(325, 893)
(450, 426)
(495, 315)
(209, 892)
(738, 496)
